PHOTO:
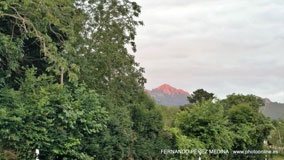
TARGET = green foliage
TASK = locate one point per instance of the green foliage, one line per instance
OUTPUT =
(135, 129)
(206, 121)
(107, 66)
(184, 142)
(232, 124)
(50, 117)
(62, 38)
(200, 95)
(10, 54)
(276, 136)
(168, 114)
(203, 126)
(40, 34)
(85, 42)
(236, 99)
(148, 127)
(250, 127)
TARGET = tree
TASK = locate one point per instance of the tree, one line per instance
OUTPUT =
(183, 142)
(234, 123)
(250, 127)
(200, 95)
(47, 116)
(109, 68)
(168, 114)
(150, 136)
(80, 42)
(40, 34)
(276, 136)
(206, 123)
(236, 99)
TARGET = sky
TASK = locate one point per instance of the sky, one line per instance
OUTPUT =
(222, 46)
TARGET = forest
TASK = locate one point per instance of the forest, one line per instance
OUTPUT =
(70, 87)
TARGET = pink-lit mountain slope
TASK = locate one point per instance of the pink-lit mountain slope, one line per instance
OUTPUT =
(169, 96)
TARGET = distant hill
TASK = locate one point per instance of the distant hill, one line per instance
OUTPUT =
(273, 110)
(169, 96)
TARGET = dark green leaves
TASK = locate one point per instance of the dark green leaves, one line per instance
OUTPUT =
(50, 117)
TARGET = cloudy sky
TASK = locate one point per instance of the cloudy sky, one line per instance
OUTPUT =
(223, 46)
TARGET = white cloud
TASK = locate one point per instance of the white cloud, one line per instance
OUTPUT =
(224, 46)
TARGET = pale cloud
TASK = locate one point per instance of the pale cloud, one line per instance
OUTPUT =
(223, 46)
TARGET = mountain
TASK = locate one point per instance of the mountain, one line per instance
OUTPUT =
(274, 110)
(169, 96)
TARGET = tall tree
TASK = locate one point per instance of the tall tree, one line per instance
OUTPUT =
(249, 125)
(205, 125)
(37, 112)
(47, 116)
(39, 34)
(236, 99)
(83, 41)
(200, 95)
(110, 69)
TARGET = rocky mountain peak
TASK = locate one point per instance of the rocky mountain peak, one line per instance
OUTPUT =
(170, 90)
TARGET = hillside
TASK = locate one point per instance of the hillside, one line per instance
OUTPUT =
(169, 96)
(273, 110)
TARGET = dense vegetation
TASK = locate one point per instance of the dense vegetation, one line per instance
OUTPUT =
(68, 85)
(231, 124)
(70, 88)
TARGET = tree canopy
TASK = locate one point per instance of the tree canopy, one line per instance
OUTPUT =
(70, 87)
(200, 95)
(68, 84)
(232, 124)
